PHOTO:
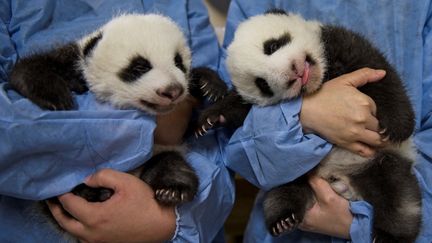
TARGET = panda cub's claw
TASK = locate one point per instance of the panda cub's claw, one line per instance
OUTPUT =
(212, 92)
(172, 197)
(206, 83)
(284, 225)
(207, 123)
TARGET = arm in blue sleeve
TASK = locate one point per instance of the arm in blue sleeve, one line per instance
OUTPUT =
(271, 149)
(7, 49)
(203, 218)
(44, 153)
(202, 38)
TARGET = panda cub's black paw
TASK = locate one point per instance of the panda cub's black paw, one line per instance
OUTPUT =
(209, 118)
(54, 102)
(283, 219)
(229, 112)
(206, 83)
(177, 187)
(285, 206)
(172, 179)
(170, 196)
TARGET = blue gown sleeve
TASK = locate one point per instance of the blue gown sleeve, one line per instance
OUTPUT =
(7, 49)
(202, 219)
(271, 149)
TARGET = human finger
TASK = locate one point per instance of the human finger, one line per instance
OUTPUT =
(361, 149)
(311, 218)
(371, 138)
(371, 104)
(69, 224)
(362, 76)
(372, 124)
(107, 178)
(77, 206)
(322, 189)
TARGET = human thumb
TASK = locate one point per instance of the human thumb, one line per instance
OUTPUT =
(107, 178)
(362, 76)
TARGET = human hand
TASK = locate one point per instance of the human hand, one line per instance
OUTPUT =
(343, 115)
(130, 215)
(330, 215)
(172, 126)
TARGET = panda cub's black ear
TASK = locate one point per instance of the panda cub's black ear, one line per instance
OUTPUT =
(91, 44)
(276, 11)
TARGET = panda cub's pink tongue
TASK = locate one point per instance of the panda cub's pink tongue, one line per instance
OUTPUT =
(305, 75)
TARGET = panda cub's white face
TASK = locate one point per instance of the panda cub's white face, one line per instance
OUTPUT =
(140, 61)
(276, 56)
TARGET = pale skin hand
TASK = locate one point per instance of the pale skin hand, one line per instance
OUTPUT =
(130, 215)
(330, 215)
(353, 126)
(343, 115)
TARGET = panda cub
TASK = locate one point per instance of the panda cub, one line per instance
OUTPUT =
(277, 56)
(133, 61)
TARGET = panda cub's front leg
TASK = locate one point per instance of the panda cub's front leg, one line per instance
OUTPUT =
(230, 111)
(206, 83)
(49, 78)
(286, 205)
(171, 177)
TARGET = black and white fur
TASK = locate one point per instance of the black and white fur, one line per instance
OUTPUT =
(133, 61)
(278, 56)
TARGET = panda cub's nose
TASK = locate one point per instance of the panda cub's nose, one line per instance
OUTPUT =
(172, 92)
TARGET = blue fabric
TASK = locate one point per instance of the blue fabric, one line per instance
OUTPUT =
(43, 153)
(270, 149)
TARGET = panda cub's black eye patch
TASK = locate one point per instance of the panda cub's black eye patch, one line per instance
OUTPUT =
(272, 45)
(136, 68)
(264, 87)
(178, 61)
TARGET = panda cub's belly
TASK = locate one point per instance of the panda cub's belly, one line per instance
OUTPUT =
(340, 164)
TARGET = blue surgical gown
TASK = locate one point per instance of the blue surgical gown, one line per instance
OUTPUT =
(44, 154)
(270, 148)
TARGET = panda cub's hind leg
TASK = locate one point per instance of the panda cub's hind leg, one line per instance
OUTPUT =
(286, 205)
(172, 179)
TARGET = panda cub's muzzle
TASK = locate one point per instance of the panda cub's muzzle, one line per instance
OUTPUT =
(166, 98)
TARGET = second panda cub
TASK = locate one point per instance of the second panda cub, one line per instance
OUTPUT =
(278, 56)
(133, 61)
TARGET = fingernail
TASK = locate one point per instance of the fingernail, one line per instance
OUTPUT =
(380, 72)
